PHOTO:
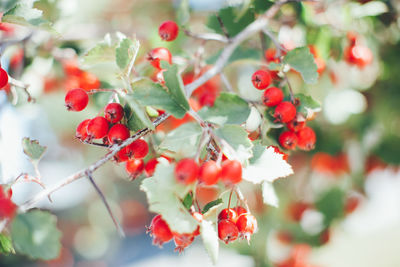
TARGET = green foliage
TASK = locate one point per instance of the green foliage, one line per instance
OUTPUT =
(183, 13)
(136, 115)
(125, 53)
(102, 52)
(211, 204)
(188, 200)
(331, 205)
(308, 106)
(301, 60)
(6, 246)
(174, 83)
(240, 53)
(33, 149)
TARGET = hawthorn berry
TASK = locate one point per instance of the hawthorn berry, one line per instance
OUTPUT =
(186, 171)
(138, 148)
(288, 140)
(7, 208)
(150, 167)
(3, 78)
(272, 96)
(76, 99)
(261, 79)
(81, 130)
(306, 138)
(113, 112)
(168, 30)
(247, 225)
(158, 54)
(160, 231)
(118, 133)
(285, 112)
(97, 128)
(134, 167)
(239, 210)
(182, 241)
(228, 214)
(227, 231)
(231, 172)
(209, 173)
(295, 125)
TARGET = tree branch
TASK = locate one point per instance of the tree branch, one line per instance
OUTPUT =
(207, 36)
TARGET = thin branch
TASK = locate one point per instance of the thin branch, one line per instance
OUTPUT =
(290, 88)
(93, 143)
(207, 36)
(279, 48)
(223, 28)
(226, 82)
(23, 86)
(263, 43)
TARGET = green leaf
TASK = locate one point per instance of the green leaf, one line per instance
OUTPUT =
(240, 53)
(301, 60)
(136, 115)
(126, 52)
(148, 93)
(164, 197)
(260, 6)
(188, 200)
(235, 142)
(210, 240)
(35, 234)
(308, 106)
(102, 52)
(6, 246)
(184, 140)
(331, 204)
(228, 108)
(33, 149)
(174, 83)
(211, 204)
(183, 14)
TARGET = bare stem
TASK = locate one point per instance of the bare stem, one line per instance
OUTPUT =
(207, 36)
(22, 85)
(290, 89)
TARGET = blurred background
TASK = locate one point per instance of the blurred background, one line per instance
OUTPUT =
(339, 209)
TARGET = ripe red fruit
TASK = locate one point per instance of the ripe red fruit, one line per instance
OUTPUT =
(288, 140)
(261, 79)
(351, 204)
(227, 231)
(158, 54)
(168, 30)
(295, 125)
(134, 167)
(160, 231)
(81, 130)
(186, 171)
(150, 167)
(285, 112)
(7, 207)
(113, 112)
(209, 173)
(358, 55)
(306, 138)
(139, 148)
(3, 78)
(296, 210)
(272, 96)
(228, 214)
(182, 241)
(97, 128)
(239, 210)
(247, 225)
(231, 172)
(118, 133)
(76, 99)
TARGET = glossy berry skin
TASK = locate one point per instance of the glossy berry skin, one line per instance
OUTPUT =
(113, 112)
(209, 173)
(160, 231)
(118, 133)
(158, 54)
(134, 167)
(306, 138)
(295, 125)
(285, 112)
(182, 241)
(272, 96)
(227, 231)
(228, 214)
(7, 208)
(3, 78)
(231, 172)
(261, 79)
(139, 148)
(76, 99)
(239, 210)
(288, 140)
(247, 225)
(150, 167)
(168, 30)
(186, 171)
(81, 130)
(97, 128)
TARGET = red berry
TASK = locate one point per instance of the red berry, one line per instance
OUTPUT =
(351, 204)
(296, 210)
(186, 171)
(7, 207)
(295, 125)
(76, 99)
(81, 130)
(228, 214)
(276, 150)
(118, 133)
(285, 112)
(97, 128)
(150, 167)
(122, 155)
(209, 173)
(288, 140)
(227, 231)
(139, 148)
(247, 225)
(272, 96)
(207, 99)
(261, 79)
(168, 30)
(239, 210)
(160, 231)
(231, 172)
(113, 112)
(158, 54)
(306, 138)
(134, 167)
(3, 78)
(182, 241)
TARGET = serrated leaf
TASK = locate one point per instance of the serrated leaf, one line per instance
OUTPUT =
(235, 142)
(269, 194)
(183, 14)
(301, 60)
(174, 83)
(126, 52)
(228, 108)
(164, 197)
(373, 8)
(6, 246)
(184, 140)
(149, 93)
(240, 53)
(35, 234)
(138, 118)
(102, 52)
(331, 204)
(33, 149)
(188, 200)
(266, 165)
(211, 204)
(308, 106)
(210, 240)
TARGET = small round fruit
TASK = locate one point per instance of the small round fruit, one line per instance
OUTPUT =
(118, 133)
(227, 231)
(3, 78)
(186, 171)
(231, 172)
(134, 167)
(139, 148)
(158, 54)
(247, 225)
(113, 112)
(81, 130)
(261, 79)
(295, 125)
(288, 140)
(160, 231)
(306, 138)
(150, 167)
(76, 99)
(228, 214)
(239, 210)
(272, 96)
(209, 173)
(285, 112)
(168, 30)
(182, 241)
(97, 128)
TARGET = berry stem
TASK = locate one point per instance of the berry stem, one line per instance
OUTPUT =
(23, 86)
(207, 36)
(279, 48)
(290, 89)
(230, 197)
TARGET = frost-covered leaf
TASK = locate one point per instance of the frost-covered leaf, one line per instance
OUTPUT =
(301, 60)
(6, 246)
(165, 196)
(308, 106)
(210, 239)
(33, 149)
(228, 108)
(269, 194)
(174, 83)
(126, 52)
(266, 165)
(136, 115)
(184, 140)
